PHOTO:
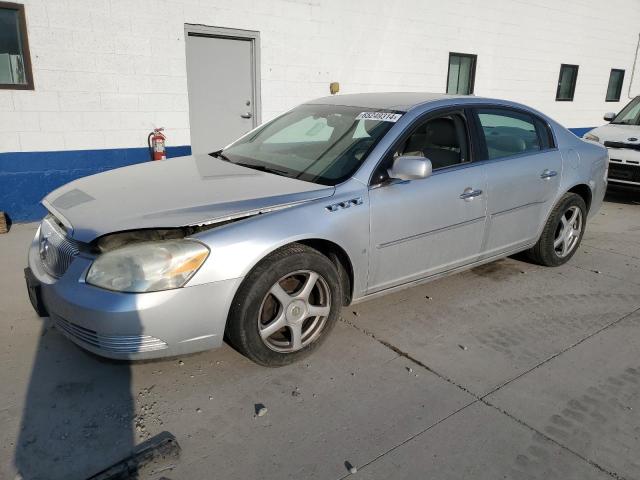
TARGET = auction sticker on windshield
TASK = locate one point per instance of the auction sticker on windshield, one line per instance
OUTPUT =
(380, 116)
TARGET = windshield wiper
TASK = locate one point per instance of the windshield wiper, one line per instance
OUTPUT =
(220, 155)
(262, 168)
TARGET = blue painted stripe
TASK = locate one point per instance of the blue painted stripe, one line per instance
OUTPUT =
(26, 177)
(579, 132)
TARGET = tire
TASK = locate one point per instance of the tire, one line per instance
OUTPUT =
(547, 252)
(262, 324)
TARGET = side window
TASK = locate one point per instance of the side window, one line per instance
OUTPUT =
(509, 133)
(443, 140)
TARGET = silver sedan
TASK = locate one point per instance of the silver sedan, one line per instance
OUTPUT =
(334, 202)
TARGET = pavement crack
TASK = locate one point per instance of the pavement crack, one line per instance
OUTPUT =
(550, 439)
(564, 350)
(407, 440)
(409, 357)
(483, 398)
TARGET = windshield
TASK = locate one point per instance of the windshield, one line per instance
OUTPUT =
(629, 115)
(323, 144)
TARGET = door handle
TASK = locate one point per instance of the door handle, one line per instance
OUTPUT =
(470, 193)
(246, 115)
(548, 174)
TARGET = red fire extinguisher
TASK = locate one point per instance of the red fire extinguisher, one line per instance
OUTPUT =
(156, 141)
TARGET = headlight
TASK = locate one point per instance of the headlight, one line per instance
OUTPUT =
(148, 266)
(592, 137)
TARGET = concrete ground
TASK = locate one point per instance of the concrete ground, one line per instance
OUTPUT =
(509, 370)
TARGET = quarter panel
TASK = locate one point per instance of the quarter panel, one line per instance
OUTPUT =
(586, 166)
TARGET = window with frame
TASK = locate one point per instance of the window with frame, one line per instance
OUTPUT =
(614, 88)
(509, 132)
(15, 62)
(443, 140)
(462, 73)
(567, 83)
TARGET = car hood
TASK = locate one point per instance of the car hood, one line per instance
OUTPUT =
(617, 133)
(192, 190)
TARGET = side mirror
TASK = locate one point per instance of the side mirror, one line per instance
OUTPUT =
(609, 116)
(410, 168)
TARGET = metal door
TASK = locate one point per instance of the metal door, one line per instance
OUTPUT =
(521, 192)
(423, 227)
(523, 175)
(222, 84)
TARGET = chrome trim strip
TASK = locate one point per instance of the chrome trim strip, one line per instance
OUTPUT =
(346, 204)
(56, 250)
(430, 232)
(622, 181)
(110, 343)
(519, 207)
(258, 211)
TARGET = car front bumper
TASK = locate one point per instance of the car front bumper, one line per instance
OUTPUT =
(131, 326)
(624, 166)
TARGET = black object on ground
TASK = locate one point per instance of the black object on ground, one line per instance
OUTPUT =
(157, 453)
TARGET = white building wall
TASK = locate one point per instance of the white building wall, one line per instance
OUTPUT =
(107, 71)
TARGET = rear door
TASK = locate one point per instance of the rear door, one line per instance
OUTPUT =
(523, 175)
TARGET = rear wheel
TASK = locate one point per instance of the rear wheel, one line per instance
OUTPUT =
(562, 233)
(286, 306)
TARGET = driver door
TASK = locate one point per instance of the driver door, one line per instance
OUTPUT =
(423, 227)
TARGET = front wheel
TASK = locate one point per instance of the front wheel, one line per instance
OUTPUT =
(562, 233)
(286, 306)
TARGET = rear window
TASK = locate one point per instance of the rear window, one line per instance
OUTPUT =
(509, 132)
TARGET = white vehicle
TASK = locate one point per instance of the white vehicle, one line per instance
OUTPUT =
(621, 136)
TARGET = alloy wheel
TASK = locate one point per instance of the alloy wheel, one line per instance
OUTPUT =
(568, 231)
(294, 311)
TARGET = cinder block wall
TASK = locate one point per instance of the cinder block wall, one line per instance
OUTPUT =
(107, 71)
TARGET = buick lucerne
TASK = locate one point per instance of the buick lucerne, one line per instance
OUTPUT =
(336, 201)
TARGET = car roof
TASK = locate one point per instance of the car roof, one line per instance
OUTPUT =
(401, 101)
(406, 101)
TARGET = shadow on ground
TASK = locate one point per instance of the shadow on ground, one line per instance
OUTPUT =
(625, 195)
(78, 413)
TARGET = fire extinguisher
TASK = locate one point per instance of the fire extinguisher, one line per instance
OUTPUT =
(156, 141)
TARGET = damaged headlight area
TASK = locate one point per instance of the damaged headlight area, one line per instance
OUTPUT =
(148, 266)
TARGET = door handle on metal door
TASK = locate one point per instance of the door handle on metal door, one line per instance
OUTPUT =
(470, 193)
(246, 115)
(548, 174)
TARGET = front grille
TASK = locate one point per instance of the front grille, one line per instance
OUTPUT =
(57, 251)
(630, 146)
(110, 343)
(628, 173)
